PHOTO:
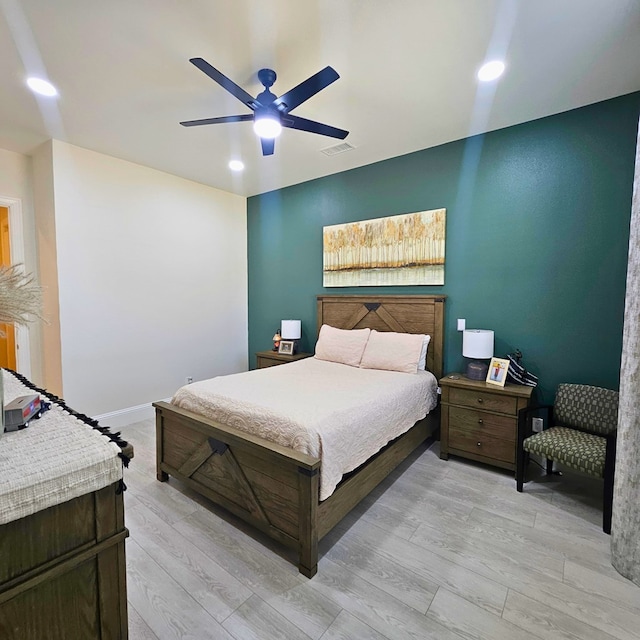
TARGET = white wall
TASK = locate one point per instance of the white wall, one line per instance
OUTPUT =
(152, 279)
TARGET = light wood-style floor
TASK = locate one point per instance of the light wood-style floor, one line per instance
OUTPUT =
(442, 549)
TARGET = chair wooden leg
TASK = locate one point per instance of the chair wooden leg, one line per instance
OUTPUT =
(609, 475)
(607, 508)
(522, 456)
(520, 465)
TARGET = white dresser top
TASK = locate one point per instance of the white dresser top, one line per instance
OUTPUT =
(55, 459)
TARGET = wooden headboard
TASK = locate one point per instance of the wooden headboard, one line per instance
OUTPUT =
(404, 314)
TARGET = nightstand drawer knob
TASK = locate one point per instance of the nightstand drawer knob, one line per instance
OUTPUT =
(480, 420)
(480, 400)
(479, 444)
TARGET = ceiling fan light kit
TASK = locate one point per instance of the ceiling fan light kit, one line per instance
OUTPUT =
(267, 125)
(271, 113)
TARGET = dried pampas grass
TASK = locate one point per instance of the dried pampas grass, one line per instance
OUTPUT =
(20, 296)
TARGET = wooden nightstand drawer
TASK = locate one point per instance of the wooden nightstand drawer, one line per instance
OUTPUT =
(263, 363)
(484, 400)
(479, 423)
(480, 420)
(266, 359)
(482, 444)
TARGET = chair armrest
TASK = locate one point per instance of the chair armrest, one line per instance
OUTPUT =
(537, 407)
(525, 423)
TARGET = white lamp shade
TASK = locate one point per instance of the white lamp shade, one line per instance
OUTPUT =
(477, 343)
(290, 329)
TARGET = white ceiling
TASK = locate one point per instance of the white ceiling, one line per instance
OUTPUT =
(407, 72)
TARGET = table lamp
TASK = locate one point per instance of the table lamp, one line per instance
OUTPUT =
(291, 330)
(477, 344)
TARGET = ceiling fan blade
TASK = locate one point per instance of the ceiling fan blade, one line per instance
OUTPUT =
(305, 90)
(268, 146)
(226, 83)
(196, 123)
(302, 124)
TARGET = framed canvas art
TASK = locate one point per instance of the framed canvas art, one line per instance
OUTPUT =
(407, 249)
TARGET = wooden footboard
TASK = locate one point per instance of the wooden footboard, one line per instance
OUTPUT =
(273, 488)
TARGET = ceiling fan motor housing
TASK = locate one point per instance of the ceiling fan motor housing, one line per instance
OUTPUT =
(267, 77)
(265, 98)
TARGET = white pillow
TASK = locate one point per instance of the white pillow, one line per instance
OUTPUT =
(422, 363)
(393, 351)
(341, 345)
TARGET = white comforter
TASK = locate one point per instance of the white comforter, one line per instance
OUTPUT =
(331, 411)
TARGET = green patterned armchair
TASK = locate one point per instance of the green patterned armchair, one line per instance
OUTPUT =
(579, 433)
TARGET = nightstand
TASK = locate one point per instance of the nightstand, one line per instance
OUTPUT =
(273, 358)
(479, 421)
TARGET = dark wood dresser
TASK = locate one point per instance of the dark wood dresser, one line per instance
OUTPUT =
(62, 556)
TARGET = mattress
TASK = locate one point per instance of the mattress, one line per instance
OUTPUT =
(340, 414)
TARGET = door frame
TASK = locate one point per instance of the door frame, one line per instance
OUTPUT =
(16, 239)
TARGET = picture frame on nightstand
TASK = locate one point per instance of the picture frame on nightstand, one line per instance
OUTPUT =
(497, 373)
(286, 347)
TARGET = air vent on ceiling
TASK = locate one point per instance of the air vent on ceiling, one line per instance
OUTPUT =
(338, 148)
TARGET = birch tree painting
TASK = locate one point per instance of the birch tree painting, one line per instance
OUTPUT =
(397, 250)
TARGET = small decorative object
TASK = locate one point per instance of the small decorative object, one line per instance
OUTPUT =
(286, 347)
(276, 340)
(291, 330)
(517, 374)
(20, 302)
(20, 411)
(477, 344)
(20, 297)
(497, 373)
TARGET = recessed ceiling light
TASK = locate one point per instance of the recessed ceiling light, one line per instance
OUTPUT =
(236, 165)
(491, 71)
(43, 87)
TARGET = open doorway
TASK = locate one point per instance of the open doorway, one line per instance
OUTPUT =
(14, 239)
(8, 340)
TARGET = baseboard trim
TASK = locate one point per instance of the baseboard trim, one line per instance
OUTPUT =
(123, 417)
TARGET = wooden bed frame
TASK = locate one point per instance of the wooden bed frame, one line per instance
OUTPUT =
(275, 488)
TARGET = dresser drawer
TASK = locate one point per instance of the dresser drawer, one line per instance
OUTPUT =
(481, 444)
(484, 400)
(263, 363)
(480, 423)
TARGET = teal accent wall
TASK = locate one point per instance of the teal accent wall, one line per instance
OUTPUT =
(536, 248)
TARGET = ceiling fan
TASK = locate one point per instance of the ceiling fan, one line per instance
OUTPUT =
(271, 113)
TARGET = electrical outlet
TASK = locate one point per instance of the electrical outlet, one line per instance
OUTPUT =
(537, 424)
(188, 379)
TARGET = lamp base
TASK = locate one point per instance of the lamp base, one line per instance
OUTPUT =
(477, 370)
